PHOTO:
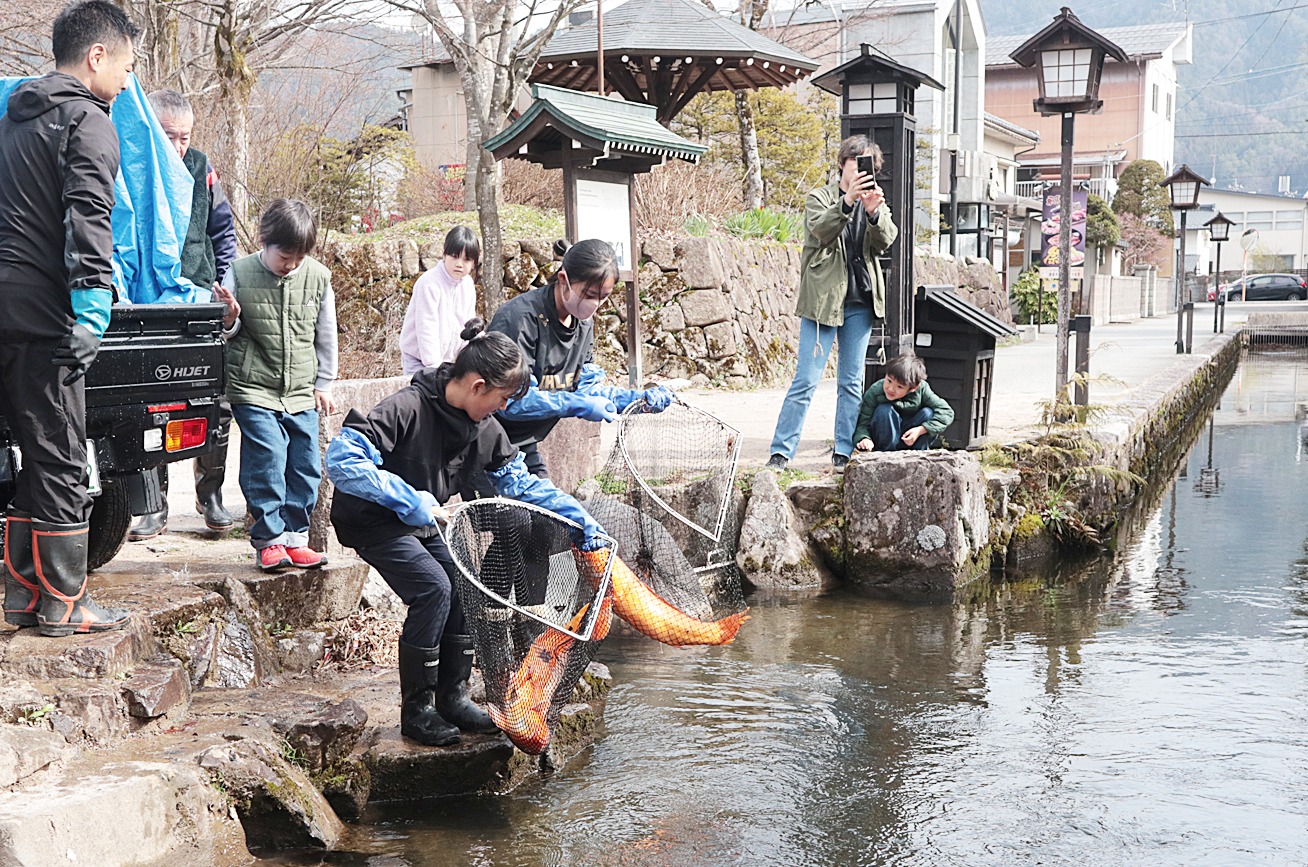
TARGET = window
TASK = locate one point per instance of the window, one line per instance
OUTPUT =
(1154, 106)
(1261, 220)
(1066, 71)
(1169, 106)
(1289, 219)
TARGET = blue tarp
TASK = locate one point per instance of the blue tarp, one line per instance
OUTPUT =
(152, 204)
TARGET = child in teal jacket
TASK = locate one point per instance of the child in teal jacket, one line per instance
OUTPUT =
(901, 411)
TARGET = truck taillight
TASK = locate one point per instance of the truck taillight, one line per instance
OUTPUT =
(185, 433)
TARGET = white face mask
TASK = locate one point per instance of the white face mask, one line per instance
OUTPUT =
(579, 305)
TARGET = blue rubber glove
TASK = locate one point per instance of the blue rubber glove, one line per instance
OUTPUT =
(513, 481)
(354, 466)
(657, 398)
(594, 407)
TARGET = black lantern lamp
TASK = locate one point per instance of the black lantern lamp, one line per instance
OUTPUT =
(1183, 187)
(1219, 230)
(1069, 59)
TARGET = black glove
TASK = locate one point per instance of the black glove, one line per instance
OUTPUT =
(76, 351)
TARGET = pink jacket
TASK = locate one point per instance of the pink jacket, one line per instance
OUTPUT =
(437, 311)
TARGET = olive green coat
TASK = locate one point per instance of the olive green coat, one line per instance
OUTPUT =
(823, 277)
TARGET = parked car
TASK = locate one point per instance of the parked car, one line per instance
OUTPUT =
(1265, 287)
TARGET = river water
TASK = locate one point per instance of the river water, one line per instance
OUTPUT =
(1150, 711)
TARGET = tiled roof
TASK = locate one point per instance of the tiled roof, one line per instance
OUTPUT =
(626, 125)
(672, 27)
(1140, 41)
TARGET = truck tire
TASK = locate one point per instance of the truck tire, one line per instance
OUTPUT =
(111, 518)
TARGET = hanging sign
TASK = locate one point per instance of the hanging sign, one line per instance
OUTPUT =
(1050, 225)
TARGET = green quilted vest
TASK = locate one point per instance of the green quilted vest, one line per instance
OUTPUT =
(271, 361)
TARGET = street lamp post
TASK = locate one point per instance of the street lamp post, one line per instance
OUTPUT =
(1070, 60)
(1183, 186)
(1219, 230)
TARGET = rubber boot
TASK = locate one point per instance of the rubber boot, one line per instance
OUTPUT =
(419, 719)
(154, 523)
(22, 590)
(59, 554)
(210, 470)
(452, 701)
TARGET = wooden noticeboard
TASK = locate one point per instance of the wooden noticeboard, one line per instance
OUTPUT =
(598, 204)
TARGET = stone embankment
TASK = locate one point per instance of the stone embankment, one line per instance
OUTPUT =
(925, 525)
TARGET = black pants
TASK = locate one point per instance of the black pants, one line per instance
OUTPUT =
(419, 571)
(527, 579)
(48, 419)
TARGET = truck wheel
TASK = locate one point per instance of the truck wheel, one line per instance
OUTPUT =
(111, 518)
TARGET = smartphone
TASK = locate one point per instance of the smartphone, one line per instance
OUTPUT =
(867, 165)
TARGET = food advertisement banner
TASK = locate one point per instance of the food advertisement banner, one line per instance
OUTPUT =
(1051, 223)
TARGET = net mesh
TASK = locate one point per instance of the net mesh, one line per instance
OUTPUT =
(667, 496)
(532, 605)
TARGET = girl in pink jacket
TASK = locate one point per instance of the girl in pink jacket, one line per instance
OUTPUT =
(443, 300)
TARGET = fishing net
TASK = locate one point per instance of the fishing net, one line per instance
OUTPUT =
(667, 496)
(533, 607)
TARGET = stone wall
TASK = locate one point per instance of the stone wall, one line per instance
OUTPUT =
(716, 310)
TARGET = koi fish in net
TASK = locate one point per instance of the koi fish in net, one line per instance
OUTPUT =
(650, 614)
(525, 715)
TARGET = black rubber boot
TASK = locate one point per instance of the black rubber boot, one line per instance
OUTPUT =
(154, 523)
(22, 590)
(452, 701)
(419, 719)
(59, 554)
(210, 470)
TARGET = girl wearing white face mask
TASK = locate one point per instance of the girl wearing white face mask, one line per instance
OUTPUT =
(552, 325)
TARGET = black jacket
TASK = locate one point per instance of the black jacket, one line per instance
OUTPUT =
(58, 160)
(556, 353)
(425, 441)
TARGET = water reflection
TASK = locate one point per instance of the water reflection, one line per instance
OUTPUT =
(1148, 711)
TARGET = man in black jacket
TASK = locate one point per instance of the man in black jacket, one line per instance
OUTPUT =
(58, 160)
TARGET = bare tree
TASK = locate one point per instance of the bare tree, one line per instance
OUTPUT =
(494, 45)
(751, 13)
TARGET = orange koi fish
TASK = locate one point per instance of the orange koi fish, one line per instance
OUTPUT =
(653, 616)
(532, 687)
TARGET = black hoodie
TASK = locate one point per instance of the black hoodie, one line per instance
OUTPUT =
(422, 439)
(58, 160)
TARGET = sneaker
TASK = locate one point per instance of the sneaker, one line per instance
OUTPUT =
(306, 558)
(274, 557)
(776, 462)
(840, 462)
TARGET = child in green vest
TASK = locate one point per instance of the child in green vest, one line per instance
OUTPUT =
(281, 362)
(900, 411)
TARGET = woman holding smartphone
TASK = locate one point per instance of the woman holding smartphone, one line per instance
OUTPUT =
(847, 225)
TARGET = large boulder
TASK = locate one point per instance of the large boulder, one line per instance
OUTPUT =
(774, 551)
(279, 807)
(917, 525)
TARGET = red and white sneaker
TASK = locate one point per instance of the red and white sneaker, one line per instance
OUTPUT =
(275, 557)
(306, 558)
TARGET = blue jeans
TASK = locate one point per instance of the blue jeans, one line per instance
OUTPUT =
(888, 426)
(280, 470)
(815, 345)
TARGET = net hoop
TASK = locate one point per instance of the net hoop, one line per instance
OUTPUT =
(464, 512)
(638, 408)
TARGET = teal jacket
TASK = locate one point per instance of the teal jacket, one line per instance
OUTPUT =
(905, 406)
(823, 276)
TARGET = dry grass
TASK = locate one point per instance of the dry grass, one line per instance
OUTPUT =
(668, 195)
(364, 639)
